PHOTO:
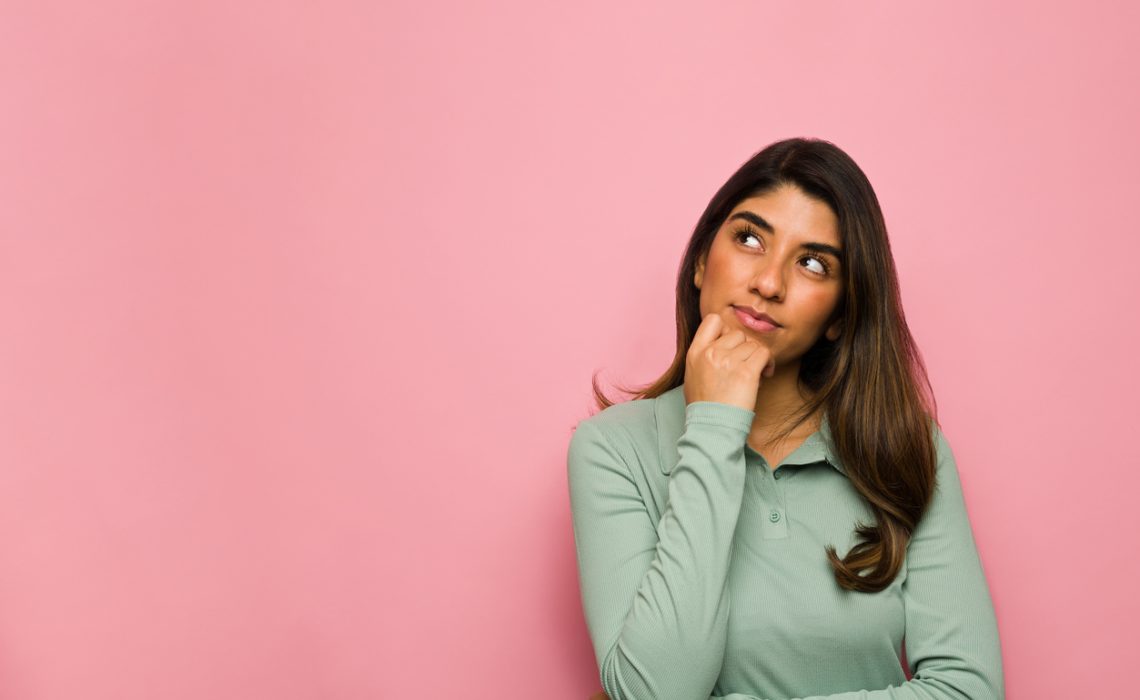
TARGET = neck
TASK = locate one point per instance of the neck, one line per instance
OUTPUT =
(777, 399)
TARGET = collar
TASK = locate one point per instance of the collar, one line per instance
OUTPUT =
(669, 409)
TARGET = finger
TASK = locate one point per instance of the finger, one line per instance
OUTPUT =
(751, 350)
(730, 336)
(731, 339)
(760, 359)
(708, 330)
(765, 360)
(727, 314)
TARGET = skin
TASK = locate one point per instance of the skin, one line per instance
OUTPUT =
(772, 273)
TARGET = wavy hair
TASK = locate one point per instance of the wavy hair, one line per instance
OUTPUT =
(871, 381)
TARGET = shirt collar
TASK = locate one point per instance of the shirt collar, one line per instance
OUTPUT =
(669, 409)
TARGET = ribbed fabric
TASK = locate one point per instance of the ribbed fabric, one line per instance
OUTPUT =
(703, 571)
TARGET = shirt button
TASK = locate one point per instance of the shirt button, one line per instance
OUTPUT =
(774, 516)
(778, 474)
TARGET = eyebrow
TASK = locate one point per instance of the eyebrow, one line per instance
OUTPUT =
(812, 245)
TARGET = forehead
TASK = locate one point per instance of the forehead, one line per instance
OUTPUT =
(792, 213)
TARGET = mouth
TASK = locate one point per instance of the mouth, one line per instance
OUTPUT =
(754, 319)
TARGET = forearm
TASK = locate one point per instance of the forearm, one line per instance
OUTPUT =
(672, 643)
(656, 599)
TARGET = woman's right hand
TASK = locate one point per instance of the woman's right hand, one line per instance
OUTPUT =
(724, 364)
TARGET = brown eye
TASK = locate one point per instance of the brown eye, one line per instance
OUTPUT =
(824, 267)
(745, 233)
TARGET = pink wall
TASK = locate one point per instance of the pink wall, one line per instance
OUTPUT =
(299, 302)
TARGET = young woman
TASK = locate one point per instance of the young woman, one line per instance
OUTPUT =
(777, 514)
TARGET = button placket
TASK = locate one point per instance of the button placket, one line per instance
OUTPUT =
(776, 520)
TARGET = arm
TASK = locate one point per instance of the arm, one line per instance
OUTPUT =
(655, 593)
(952, 641)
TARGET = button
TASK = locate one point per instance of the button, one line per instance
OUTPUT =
(778, 474)
(774, 516)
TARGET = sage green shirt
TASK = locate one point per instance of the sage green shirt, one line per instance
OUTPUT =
(703, 572)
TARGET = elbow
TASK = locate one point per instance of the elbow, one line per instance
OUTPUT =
(973, 681)
(991, 682)
(658, 673)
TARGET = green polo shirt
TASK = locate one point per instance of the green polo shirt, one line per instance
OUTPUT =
(703, 572)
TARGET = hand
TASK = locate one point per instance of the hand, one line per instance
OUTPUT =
(724, 364)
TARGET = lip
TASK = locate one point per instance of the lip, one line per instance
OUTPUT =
(755, 320)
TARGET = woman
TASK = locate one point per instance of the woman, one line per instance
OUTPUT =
(780, 511)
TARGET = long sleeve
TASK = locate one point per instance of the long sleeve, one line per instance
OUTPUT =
(654, 594)
(952, 642)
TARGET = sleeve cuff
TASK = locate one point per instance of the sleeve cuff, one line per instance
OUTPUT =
(717, 413)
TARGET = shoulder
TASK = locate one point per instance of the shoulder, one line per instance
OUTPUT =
(941, 443)
(621, 423)
(947, 502)
(626, 430)
(947, 467)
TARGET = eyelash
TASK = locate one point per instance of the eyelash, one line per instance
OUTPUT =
(749, 231)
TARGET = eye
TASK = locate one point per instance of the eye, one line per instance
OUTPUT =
(747, 232)
(824, 268)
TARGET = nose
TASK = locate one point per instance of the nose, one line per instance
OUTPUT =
(769, 279)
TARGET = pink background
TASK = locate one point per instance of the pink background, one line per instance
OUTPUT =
(301, 300)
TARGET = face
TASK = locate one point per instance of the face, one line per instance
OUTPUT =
(776, 253)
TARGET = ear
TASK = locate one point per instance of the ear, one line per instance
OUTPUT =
(835, 330)
(699, 274)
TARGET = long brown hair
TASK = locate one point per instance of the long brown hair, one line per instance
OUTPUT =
(871, 381)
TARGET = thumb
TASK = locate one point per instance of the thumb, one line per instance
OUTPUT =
(708, 330)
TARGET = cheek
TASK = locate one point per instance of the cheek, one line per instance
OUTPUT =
(819, 303)
(723, 265)
(716, 257)
(718, 269)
